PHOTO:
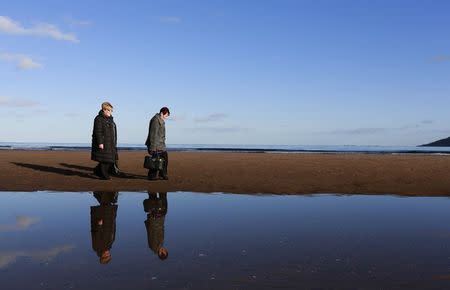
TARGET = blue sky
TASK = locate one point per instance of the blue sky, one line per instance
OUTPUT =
(232, 72)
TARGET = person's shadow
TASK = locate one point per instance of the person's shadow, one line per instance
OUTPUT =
(156, 209)
(62, 171)
(103, 224)
(120, 175)
(68, 171)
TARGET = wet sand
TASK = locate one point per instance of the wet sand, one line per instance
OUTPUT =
(233, 172)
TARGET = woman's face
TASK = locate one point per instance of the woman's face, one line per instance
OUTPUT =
(107, 112)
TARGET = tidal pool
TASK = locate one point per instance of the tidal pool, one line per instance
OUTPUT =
(183, 240)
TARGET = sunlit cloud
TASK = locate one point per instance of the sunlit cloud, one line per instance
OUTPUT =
(9, 257)
(9, 26)
(21, 61)
(16, 102)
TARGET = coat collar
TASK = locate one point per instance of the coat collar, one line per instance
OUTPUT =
(100, 113)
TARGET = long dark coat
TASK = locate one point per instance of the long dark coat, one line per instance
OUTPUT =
(103, 236)
(104, 132)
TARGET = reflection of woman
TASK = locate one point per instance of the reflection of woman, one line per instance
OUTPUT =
(104, 142)
(103, 224)
(156, 209)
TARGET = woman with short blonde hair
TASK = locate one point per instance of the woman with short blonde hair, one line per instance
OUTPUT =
(104, 142)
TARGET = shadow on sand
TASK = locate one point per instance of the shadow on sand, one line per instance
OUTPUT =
(70, 172)
(57, 170)
(73, 166)
(90, 169)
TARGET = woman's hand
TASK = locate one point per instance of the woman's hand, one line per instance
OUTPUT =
(101, 146)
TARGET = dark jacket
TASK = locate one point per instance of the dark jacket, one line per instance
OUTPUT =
(157, 210)
(104, 132)
(103, 236)
(156, 139)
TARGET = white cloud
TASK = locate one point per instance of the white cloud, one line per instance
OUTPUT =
(170, 19)
(23, 62)
(27, 63)
(16, 102)
(9, 26)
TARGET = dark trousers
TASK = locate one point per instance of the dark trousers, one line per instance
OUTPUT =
(162, 173)
(103, 169)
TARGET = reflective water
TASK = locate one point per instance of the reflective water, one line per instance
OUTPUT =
(222, 241)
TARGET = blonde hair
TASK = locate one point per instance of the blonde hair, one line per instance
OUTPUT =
(106, 105)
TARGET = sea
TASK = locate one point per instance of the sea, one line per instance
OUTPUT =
(330, 149)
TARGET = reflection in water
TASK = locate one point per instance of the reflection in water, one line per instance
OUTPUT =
(156, 208)
(103, 224)
(7, 258)
(223, 241)
(23, 222)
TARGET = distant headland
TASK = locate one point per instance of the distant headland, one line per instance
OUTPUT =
(439, 143)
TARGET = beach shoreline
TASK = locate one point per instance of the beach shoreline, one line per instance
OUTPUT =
(249, 173)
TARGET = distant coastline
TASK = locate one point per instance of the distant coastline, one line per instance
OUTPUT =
(326, 149)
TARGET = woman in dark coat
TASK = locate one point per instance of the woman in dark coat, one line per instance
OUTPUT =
(103, 224)
(104, 142)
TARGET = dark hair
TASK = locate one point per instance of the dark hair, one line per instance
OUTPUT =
(164, 110)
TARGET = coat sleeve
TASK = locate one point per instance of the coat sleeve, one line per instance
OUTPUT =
(153, 134)
(99, 131)
(115, 135)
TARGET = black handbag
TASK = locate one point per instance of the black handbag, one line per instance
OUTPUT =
(154, 162)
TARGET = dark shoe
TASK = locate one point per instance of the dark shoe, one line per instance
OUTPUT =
(105, 178)
(152, 178)
(165, 177)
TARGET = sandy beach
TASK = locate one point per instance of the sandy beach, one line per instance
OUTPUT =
(233, 172)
